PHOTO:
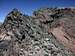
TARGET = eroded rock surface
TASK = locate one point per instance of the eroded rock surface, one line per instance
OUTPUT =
(37, 35)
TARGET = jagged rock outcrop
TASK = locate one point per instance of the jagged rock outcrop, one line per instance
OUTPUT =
(22, 35)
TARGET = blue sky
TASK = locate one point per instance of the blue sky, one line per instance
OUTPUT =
(28, 6)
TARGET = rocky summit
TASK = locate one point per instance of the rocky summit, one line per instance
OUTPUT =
(48, 32)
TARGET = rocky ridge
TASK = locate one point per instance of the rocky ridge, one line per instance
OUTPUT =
(22, 35)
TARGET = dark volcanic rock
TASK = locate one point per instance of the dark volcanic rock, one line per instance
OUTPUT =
(30, 36)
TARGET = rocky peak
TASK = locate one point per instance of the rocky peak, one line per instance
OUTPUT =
(34, 36)
(15, 12)
(14, 18)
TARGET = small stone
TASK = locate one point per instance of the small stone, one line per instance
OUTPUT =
(46, 55)
(47, 39)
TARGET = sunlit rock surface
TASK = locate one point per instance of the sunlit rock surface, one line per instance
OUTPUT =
(49, 32)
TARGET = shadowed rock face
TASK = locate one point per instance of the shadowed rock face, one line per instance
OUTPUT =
(49, 32)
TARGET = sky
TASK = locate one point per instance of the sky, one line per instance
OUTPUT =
(28, 6)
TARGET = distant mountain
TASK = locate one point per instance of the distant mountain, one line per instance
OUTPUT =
(49, 32)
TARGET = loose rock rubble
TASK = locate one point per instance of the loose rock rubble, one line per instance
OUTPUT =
(22, 35)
